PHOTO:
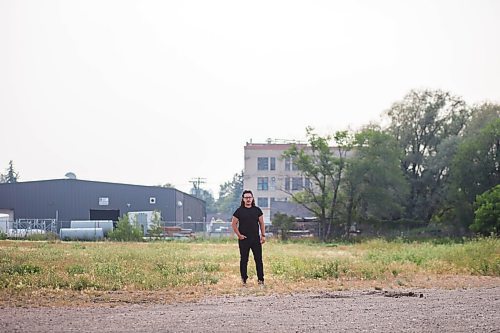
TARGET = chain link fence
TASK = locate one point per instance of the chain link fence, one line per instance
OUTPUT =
(51, 229)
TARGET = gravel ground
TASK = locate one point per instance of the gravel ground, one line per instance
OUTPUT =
(424, 310)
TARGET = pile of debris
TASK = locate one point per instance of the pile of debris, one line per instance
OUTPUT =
(178, 232)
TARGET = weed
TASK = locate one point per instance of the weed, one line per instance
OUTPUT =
(171, 269)
(367, 274)
(327, 270)
(49, 236)
(81, 283)
(210, 267)
(23, 269)
(79, 246)
(278, 268)
(75, 269)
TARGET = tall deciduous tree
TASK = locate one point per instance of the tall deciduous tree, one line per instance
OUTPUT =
(454, 208)
(375, 185)
(323, 166)
(481, 116)
(420, 123)
(475, 169)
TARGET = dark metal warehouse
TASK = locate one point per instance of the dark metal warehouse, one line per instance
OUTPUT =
(74, 199)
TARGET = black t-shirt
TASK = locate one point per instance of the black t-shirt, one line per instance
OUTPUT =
(248, 221)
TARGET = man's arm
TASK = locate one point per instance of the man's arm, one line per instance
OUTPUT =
(262, 229)
(234, 224)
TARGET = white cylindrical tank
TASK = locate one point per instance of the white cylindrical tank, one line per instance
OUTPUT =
(106, 225)
(81, 233)
(4, 223)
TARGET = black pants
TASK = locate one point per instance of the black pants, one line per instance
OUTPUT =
(256, 247)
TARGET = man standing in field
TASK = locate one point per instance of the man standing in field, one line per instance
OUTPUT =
(246, 221)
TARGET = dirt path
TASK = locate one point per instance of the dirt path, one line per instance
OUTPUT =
(424, 310)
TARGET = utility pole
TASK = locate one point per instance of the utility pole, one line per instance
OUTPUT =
(196, 185)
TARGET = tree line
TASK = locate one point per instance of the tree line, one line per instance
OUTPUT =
(436, 162)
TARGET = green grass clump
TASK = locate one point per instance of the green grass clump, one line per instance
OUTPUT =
(23, 269)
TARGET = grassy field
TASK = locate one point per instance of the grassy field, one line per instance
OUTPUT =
(213, 267)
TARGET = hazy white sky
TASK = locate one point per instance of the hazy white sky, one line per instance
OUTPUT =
(150, 92)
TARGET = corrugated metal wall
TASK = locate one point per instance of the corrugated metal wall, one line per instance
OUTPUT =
(72, 199)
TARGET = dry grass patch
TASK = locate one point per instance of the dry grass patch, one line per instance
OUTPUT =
(109, 272)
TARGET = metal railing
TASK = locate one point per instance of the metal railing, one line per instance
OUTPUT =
(23, 228)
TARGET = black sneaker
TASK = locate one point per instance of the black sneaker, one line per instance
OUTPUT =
(244, 282)
(261, 283)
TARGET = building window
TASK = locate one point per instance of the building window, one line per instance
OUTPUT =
(272, 186)
(262, 163)
(103, 201)
(296, 183)
(263, 183)
(307, 183)
(290, 165)
(262, 202)
(287, 183)
(273, 163)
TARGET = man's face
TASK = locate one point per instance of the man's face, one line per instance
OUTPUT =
(247, 199)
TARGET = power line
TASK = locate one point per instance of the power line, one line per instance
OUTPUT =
(196, 184)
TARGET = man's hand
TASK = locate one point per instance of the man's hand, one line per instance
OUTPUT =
(241, 237)
(262, 239)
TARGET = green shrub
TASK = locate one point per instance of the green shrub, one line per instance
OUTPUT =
(283, 223)
(126, 231)
(487, 213)
(156, 230)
